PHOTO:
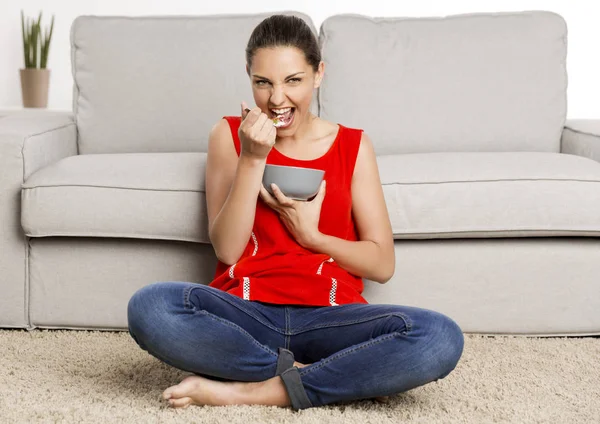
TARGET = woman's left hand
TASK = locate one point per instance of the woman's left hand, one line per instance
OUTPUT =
(301, 218)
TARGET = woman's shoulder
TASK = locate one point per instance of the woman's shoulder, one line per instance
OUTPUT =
(352, 135)
(223, 127)
(228, 124)
(353, 129)
(333, 128)
(224, 133)
(233, 121)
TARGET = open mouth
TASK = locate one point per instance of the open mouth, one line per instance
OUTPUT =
(282, 117)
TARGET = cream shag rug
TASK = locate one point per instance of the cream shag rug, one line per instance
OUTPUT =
(64, 376)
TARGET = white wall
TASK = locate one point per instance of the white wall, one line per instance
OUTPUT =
(583, 65)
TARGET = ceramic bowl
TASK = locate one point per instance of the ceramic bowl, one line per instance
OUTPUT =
(295, 182)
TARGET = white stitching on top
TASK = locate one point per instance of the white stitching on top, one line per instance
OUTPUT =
(255, 244)
(246, 279)
(246, 288)
(321, 266)
(332, 292)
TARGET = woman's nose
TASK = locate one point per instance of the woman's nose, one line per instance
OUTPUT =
(277, 96)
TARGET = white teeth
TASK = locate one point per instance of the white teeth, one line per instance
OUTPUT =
(281, 111)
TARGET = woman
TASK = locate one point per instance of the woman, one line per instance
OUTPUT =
(283, 322)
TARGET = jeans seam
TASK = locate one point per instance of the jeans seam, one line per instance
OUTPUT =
(287, 328)
(246, 311)
(310, 368)
(237, 327)
(407, 323)
(186, 297)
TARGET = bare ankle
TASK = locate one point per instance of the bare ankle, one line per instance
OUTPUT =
(267, 392)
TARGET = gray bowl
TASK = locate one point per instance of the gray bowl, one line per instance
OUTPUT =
(296, 183)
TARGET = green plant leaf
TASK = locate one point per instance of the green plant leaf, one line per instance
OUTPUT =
(34, 45)
(45, 45)
(30, 41)
(36, 41)
(25, 49)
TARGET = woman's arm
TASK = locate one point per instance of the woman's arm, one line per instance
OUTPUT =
(232, 187)
(373, 256)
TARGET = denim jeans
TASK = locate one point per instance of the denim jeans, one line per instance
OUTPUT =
(356, 351)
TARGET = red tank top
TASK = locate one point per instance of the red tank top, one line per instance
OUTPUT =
(274, 268)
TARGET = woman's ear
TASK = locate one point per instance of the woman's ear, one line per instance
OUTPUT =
(319, 74)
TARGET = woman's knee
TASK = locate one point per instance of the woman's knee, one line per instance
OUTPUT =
(149, 302)
(143, 299)
(448, 340)
(441, 340)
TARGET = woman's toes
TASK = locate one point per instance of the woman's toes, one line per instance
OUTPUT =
(382, 399)
(183, 402)
(168, 393)
(181, 389)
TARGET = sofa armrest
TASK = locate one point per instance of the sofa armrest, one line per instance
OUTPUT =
(29, 141)
(581, 137)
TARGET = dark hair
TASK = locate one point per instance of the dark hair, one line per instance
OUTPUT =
(284, 31)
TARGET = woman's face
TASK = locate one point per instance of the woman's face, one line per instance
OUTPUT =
(282, 79)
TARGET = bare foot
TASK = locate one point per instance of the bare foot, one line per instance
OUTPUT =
(196, 390)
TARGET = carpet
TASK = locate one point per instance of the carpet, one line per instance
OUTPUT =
(51, 376)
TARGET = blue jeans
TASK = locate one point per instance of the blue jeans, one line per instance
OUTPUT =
(357, 351)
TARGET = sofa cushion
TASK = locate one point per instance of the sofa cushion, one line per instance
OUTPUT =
(476, 82)
(435, 195)
(136, 195)
(483, 194)
(159, 83)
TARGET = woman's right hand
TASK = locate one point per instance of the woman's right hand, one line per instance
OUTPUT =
(257, 133)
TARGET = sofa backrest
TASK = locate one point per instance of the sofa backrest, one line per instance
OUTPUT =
(476, 82)
(158, 84)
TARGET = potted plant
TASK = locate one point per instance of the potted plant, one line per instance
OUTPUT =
(34, 79)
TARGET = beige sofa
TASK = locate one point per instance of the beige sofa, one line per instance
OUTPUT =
(494, 197)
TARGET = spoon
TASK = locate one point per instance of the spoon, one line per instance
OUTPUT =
(276, 121)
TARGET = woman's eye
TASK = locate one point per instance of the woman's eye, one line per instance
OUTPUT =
(263, 82)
